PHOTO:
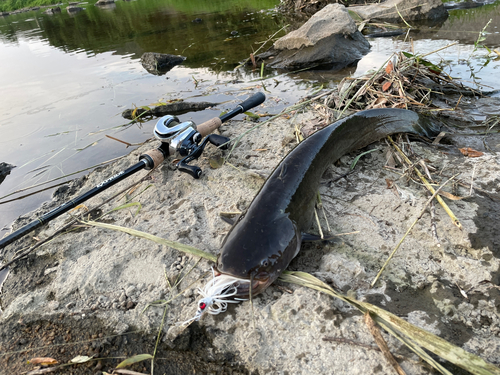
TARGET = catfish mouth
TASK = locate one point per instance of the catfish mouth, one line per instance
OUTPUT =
(243, 287)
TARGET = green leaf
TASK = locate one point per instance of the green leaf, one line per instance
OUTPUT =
(127, 205)
(252, 115)
(134, 359)
(356, 159)
(216, 162)
(355, 16)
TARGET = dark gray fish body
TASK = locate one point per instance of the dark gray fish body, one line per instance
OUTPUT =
(265, 239)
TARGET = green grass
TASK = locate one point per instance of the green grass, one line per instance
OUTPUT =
(11, 5)
(192, 6)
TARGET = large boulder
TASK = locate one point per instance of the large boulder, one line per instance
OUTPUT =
(329, 39)
(410, 10)
(160, 63)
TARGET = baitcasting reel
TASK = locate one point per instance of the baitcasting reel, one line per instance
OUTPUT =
(183, 139)
(176, 138)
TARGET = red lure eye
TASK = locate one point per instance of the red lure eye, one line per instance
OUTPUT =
(202, 305)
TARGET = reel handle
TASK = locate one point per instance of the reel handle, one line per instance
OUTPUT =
(193, 170)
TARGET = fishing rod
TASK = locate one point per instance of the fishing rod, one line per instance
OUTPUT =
(183, 139)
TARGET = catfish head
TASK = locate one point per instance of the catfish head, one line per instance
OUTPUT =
(258, 250)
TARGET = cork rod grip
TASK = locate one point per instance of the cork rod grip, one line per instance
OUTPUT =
(156, 156)
(209, 126)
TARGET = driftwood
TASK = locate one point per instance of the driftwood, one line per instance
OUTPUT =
(176, 108)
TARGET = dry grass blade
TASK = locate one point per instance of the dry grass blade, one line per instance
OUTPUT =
(417, 350)
(443, 204)
(382, 344)
(434, 195)
(134, 359)
(414, 336)
(162, 241)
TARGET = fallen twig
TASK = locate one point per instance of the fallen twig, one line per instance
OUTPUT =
(382, 344)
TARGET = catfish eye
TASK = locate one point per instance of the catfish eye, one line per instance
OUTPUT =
(264, 263)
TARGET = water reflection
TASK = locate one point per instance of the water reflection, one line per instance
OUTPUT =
(66, 78)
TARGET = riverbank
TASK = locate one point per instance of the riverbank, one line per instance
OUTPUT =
(87, 291)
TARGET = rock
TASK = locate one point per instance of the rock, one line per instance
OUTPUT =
(48, 271)
(4, 14)
(329, 39)
(104, 2)
(5, 169)
(411, 10)
(52, 11)
(160, 63)
(130, 290)
(102, 300)
(53, 305)
(73, 9)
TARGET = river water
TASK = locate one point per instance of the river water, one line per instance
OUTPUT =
(65, 79)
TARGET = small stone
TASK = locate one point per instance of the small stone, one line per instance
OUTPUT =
(53, 305)
(102, 300)
(114, 306)
(49, 270)
(70, 305)
(151, 287)
(130, 305)
(179, 267)
(122, 297)
(123, 304)
(179, 259)
(130, 290)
